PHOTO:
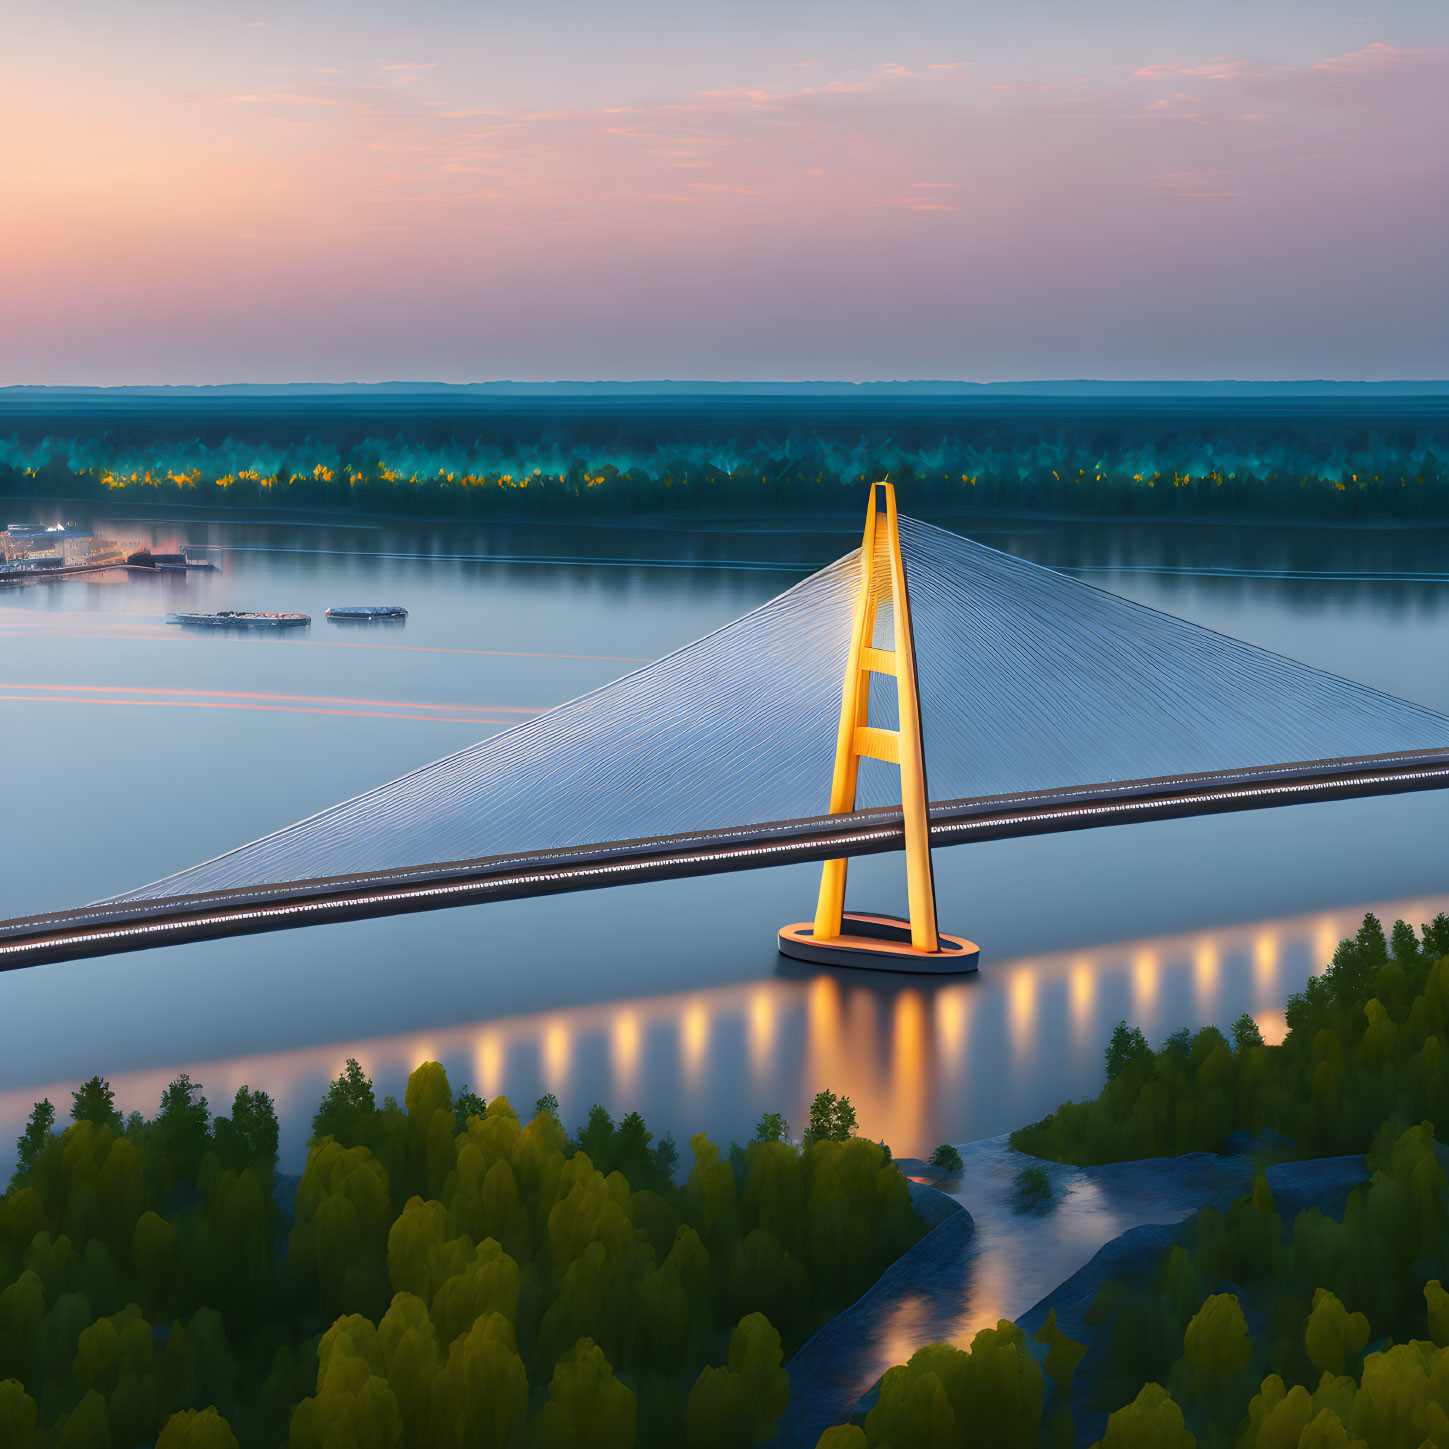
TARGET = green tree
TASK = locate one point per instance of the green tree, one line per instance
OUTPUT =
(353, 1405)
(465, 1105)
(432, 1151)
(947, 1158)
(1128, 1047)
(348, 1111)
(38, 1131)
(95, 1102)
(1246, 1033)
(832, 1119)
(913, 1408)
(182, 1127)
(343, 1213)
(547, 1103)
(413, 1361)
(586, 1404)
(1151, 1421)
(1436, 1300)
(482, 1390)
(248, 1138)
(718, 1415)
(197, 1429)
(1178, 1045)
(1334, 1337)
(1032, 1187)
(596, 1137)
(1216, 1354)
(772, 1127)
(756, 1358)
(425, 1249)
(666, 1160)
(17, 1415)
(86, 1426)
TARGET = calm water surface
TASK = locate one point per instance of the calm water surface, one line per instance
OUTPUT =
(132, 748)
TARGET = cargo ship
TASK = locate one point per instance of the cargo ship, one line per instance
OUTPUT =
(368, 611)
(242, 619)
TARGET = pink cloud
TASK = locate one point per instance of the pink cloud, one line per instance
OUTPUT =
(1175, 101)
(1371, 57)
(1222, 67)
(719, 186)
(285, 98)
(407, 64)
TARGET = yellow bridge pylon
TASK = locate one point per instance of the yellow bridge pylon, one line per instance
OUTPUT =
(837, 937)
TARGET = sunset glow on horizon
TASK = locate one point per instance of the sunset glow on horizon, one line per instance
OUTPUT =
(319, 192)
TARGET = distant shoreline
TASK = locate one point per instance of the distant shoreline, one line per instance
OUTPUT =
(848, 518)
(1085, 388)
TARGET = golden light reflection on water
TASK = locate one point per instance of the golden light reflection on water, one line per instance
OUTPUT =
(922, 1061)
(556, 1055)
(1146, 979)
(824, 1049)
(1206, 971)
(694, 1042)
(1021, 1016)
(950, 1022)
(762, 1028)
(912, 1057)
(1083, 992)
(488, 1064)
(626, 1051)
(1266, 946)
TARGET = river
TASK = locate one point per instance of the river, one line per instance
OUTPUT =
(133, 748)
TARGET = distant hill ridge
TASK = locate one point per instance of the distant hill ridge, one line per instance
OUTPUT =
(1082, 388)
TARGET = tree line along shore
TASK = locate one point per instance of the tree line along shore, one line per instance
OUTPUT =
(1363, 480)
(448, 1273)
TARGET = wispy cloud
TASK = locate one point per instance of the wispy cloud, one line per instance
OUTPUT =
(1221, 67)
(1371, 57)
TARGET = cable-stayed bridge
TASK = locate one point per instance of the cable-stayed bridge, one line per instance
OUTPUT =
(1043, 704)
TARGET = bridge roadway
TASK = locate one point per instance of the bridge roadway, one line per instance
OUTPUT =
(105, 928)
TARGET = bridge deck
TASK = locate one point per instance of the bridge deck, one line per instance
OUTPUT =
(106, 928)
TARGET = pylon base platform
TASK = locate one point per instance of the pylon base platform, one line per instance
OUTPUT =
(878, 943)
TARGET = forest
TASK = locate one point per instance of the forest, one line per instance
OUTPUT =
(447, 1274)
(1329, 1331)
(1365, 1045)
(1333, 464)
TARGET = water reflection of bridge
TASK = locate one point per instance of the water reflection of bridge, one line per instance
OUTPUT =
(933, 1061)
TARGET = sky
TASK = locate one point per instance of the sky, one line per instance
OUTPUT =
(768, 189)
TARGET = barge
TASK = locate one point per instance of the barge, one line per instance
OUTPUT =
(241, 619)
(368, 611)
